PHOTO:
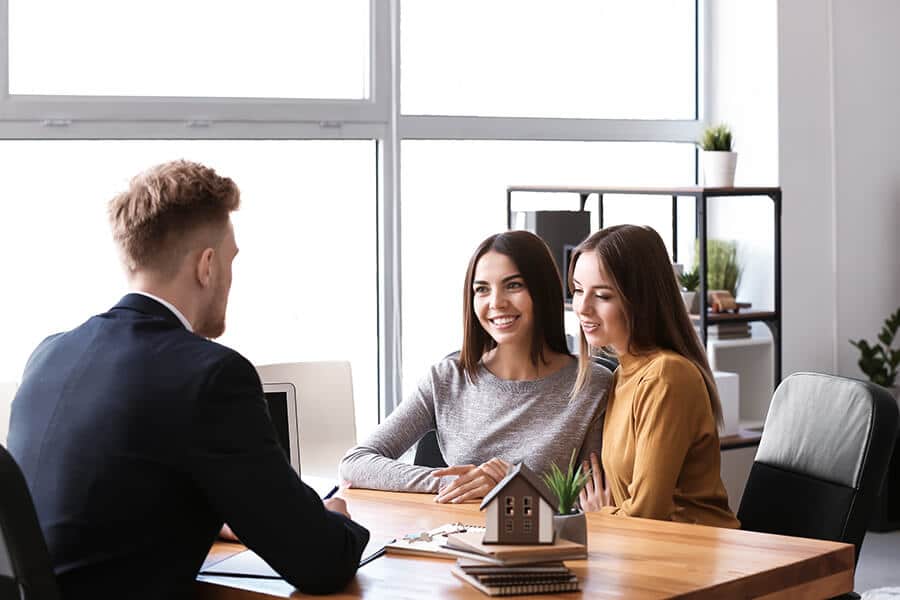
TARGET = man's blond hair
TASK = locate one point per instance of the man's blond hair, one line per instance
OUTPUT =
(163, 206)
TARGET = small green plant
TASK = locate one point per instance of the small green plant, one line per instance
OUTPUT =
(566, 485)
(716, 138)
(722, 267)
(879, 362)
(689, 280)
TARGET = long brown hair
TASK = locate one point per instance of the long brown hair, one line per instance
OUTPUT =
(637, 264)
(535, 263)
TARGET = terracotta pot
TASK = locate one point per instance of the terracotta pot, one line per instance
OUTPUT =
(572, 527)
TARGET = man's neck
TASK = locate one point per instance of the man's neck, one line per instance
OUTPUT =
(168, 293)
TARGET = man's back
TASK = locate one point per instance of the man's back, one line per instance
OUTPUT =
(139, 438)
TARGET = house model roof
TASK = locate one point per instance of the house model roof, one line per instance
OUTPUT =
(531, 477)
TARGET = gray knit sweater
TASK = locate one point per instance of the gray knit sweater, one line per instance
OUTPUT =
(531, 421)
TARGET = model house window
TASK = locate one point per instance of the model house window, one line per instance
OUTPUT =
(526, 506)
(508, 525)
(526, 526)
(510, 506)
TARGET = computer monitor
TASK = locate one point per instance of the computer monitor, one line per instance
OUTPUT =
(285, 413)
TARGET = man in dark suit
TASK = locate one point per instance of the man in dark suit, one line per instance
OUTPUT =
(139, 437)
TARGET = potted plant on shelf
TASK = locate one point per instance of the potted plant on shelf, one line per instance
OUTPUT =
(689, 281)
(569, 522)
(722, 267)
(880, 362)
(719, 158)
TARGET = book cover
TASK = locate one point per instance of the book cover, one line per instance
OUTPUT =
(471, 541)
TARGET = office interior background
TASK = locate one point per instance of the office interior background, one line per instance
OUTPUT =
(373, 141)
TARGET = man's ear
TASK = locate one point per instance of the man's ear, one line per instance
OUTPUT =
(205, 267)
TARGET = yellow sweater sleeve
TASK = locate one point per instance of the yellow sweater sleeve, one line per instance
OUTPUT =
(667, 411)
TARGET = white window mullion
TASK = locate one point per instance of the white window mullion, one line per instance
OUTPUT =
(521, 128)
(386, 15)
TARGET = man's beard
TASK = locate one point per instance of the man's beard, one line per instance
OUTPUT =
(213, 323)
(211, 329)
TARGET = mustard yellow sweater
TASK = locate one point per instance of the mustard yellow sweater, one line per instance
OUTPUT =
(660, 443)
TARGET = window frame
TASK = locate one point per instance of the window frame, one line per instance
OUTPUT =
(377, 117)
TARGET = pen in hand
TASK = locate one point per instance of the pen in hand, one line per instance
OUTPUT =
(333, 491)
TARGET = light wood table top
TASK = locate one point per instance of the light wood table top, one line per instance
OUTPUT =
(627, 558)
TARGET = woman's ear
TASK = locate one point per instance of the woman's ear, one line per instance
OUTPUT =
(205, 267)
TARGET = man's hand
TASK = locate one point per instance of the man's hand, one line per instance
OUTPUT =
(338, 505)
(595, 494)
(471, 481)
(228, 535)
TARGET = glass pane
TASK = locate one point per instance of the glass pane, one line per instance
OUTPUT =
(454, 196)
(305, 281)
(528, 58)
(211, 48)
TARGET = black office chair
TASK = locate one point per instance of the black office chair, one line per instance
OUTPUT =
(428, 454)
(822, 459)
(610, 362)
(25, 569)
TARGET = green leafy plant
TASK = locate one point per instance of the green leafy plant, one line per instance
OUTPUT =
(689, 280)
(566, 486)
(717, 138)
(722, 267)
(880, 362)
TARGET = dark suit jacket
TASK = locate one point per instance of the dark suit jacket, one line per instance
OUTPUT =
(139, 438)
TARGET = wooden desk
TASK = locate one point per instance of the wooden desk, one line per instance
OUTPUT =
(628, 558)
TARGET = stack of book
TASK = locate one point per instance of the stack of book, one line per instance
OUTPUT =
(512, 569)
(496, 569)
(535, 578)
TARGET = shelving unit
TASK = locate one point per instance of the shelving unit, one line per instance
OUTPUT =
(701, 196)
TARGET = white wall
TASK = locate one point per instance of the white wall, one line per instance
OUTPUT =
(805, 143)
(839, 115)
(867, 168)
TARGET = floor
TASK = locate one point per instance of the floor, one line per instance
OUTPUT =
(879, 561)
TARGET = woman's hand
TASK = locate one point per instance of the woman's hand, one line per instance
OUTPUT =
(471, 481)
(496, 468)
(595, 494)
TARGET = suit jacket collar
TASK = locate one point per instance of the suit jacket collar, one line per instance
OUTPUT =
(147, 306)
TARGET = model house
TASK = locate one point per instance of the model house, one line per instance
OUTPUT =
(519, 509)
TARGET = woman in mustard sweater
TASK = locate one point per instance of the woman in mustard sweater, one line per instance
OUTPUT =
(660, 453)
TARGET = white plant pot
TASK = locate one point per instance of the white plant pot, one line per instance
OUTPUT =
(689, 299)
(718, 168)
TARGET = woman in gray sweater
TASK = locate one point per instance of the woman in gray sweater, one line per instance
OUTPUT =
(508, 395)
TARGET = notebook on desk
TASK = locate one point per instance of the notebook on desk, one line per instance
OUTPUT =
(249, 564)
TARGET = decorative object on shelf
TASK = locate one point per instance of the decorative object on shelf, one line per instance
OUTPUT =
(721, 301)
(880, 362)
(722, 267)
(689, 281)
(569, 522)
(719, 159)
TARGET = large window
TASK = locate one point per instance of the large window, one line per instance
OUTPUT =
(305, 283)
(594, 59)
(267, 49)
(358, 192)
(454, 196)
